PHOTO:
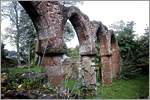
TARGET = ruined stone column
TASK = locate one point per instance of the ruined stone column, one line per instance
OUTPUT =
(88, 53)
(116, 57)
(90, 77)
(51, 61)
(106, 53)
(48, 19)
(106, 71)
(53, 69)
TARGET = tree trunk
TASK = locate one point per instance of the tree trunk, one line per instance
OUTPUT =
(18, 33)
(36, 49)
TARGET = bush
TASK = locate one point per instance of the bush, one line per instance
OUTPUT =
(128, 71)
(14, 62)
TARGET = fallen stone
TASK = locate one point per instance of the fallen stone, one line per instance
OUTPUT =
(24, 94)
(11, 94)
(29, 75)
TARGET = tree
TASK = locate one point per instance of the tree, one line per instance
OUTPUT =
(141, 53)
(125, 38)
(73, 52)
(118, 26)
(127, 46)
(28, 37)
(11, 10)
(21, 32)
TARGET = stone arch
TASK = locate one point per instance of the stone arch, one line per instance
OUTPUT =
(86, 36)
(77, 20)
(116, 57)
(49, 18)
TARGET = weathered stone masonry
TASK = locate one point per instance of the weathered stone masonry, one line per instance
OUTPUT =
(49, 18)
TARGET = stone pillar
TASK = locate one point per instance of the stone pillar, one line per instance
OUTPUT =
(90, 77)
(106, 53)
(106, 71)
(53, 69)
(53, 66)
(116, 58)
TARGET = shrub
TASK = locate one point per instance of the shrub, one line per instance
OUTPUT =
(128, 71)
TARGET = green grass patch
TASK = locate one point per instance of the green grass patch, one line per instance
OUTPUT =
(70, 85)
(122, 89)
(17, 72)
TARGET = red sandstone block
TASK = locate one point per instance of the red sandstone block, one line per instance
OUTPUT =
(107, 67)
(53, 70)
(107, 80)
(106, 58)
(56, 80)
(107, 74)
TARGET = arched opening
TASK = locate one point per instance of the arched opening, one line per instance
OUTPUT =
(79, 27)
(71, 59)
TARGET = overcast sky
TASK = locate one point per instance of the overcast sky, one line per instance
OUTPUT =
(109, 12)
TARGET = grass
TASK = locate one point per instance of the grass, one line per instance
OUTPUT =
(17, 72)
(122, 89)
(71, 84)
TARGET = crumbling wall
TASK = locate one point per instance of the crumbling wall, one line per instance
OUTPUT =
(71, 68)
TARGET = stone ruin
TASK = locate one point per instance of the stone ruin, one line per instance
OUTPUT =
(71, 68)
(49, 18)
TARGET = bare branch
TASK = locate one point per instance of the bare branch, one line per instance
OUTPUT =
(9, 17)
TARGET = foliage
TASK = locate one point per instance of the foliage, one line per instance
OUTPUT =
(68, 32)
(141, 53)
(28, 37)
(13, 78)
(53, 89)
(30, 83)
(134, 51)
(73, 52)
(128, 71)
(80, 87)
(10, 9)
(126, 41)
(118, 26)
(13, 85)
(13, 62)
